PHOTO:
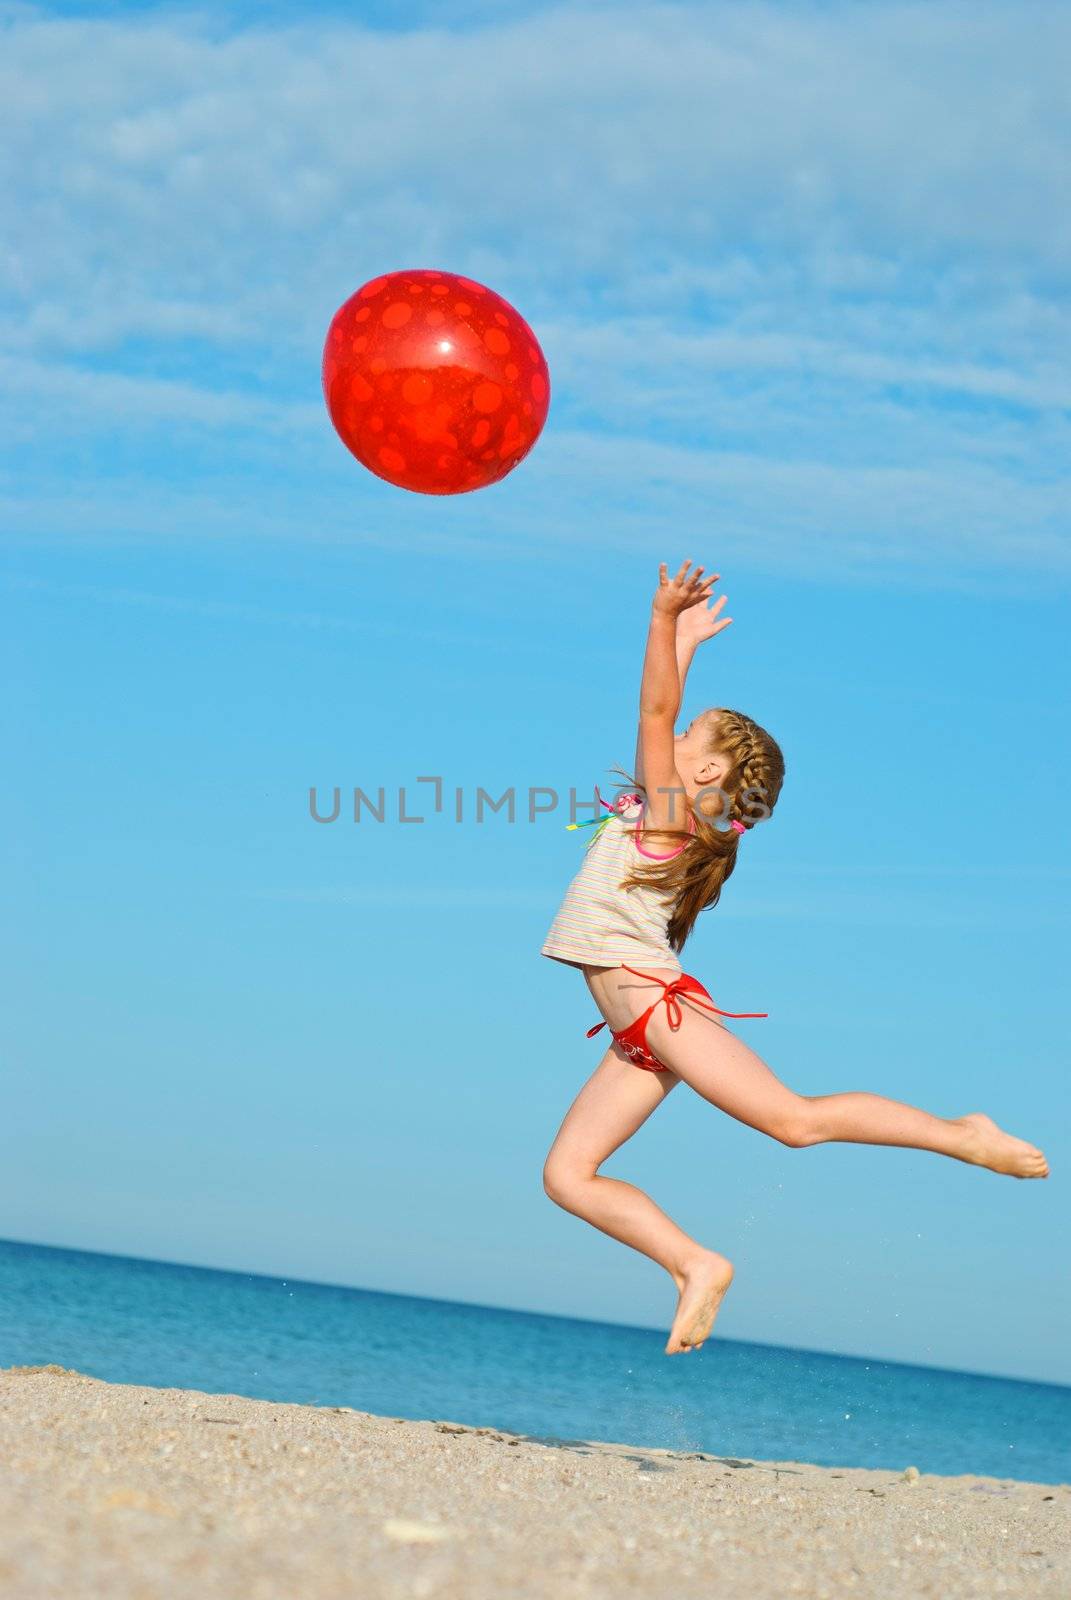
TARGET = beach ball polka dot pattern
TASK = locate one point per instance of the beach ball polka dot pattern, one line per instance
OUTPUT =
(434, 382)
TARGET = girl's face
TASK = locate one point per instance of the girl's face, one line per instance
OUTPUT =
(698, 764)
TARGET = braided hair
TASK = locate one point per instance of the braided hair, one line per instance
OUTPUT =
(747, 794)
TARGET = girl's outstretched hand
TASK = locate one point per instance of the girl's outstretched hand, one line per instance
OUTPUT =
(702, 621)
(674, 596)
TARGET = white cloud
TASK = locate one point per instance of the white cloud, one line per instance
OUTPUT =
(852, 128)
(96, 400)
(804, 515)
(223, 611)
(820, 249)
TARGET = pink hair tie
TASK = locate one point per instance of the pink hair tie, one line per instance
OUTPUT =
(739, 826)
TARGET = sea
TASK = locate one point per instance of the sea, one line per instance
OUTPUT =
(552, 1378)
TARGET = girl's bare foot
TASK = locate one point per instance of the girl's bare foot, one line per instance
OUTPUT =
(989, 1146)
(702, 1284)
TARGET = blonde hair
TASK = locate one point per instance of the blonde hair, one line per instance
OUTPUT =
(749, 792)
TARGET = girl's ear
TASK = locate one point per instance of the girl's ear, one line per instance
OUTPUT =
(713, 769)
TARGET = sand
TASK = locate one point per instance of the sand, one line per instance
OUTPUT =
(116, 1490)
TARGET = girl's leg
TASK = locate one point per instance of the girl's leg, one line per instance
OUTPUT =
(616, 1100)
(732, 1077)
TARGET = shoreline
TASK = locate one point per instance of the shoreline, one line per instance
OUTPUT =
(136, 1491)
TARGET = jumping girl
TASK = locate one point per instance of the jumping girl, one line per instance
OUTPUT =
(659, 857)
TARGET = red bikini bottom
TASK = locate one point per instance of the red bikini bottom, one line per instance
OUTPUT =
(633, 1039)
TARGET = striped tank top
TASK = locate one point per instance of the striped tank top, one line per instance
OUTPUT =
(600, 924)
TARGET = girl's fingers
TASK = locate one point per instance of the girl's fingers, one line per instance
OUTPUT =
(694, 584)
(682, 572)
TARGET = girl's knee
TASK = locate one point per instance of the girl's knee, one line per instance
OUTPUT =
(551, 1181)
(560, 1180)
(799, 1124)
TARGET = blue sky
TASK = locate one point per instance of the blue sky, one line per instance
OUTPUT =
(800, 276)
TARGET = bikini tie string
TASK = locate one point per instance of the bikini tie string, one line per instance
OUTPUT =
(674, 1015)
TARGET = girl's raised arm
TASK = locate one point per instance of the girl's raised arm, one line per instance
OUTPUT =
(698, 623)
(660, 695)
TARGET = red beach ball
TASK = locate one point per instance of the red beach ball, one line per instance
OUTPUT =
(434, 382)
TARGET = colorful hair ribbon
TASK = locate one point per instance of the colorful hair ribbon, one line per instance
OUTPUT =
(599, 823)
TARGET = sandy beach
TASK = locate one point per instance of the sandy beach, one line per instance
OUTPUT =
(118, 1490)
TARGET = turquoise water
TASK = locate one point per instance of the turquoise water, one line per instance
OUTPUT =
(152, 1322)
